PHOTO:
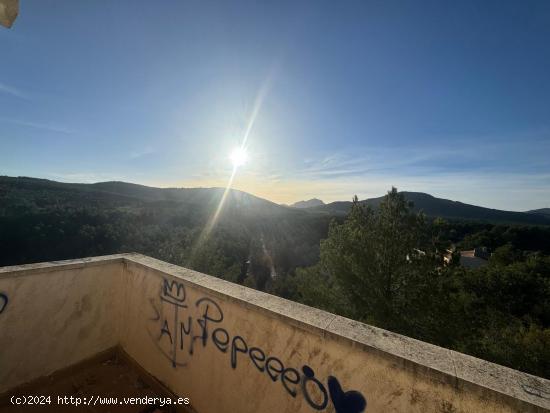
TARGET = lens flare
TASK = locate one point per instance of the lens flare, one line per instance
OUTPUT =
(238, 158)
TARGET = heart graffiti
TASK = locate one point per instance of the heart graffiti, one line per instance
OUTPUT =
(345, 402)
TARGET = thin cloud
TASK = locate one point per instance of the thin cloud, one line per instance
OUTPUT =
(483, 157)
(12, 91)
(343, 165)
(140, 153)
(43, 126)
(340, 176)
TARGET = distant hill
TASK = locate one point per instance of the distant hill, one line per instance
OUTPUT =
(541, 211)
(116, 194)
(43, 220)
(253, 238)
(445, 208)
(308, 204)
(21, 192)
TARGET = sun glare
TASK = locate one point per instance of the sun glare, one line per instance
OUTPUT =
(238, 157)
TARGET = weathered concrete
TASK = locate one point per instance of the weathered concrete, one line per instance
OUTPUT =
(56, 315)
(9, 9)
(230, 348)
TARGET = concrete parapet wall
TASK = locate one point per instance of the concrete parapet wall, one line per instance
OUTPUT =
(230, 348)
(53, 315)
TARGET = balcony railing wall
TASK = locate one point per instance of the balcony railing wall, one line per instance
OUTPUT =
(230, 348)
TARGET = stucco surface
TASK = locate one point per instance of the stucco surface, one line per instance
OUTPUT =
(230, 348)
(53, 319)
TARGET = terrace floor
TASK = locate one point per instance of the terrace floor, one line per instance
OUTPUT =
(107, 376)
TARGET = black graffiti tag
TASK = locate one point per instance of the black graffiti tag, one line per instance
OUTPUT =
(174, 295)
(173, 292)
(185, 331)
(309, 377)
(3, 302)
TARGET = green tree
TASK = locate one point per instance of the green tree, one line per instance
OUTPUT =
(378, 264)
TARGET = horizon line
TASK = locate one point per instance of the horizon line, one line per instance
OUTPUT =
(252, 194)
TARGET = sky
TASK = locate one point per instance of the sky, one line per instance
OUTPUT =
(333, 98)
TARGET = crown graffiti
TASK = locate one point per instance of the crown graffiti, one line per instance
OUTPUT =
(173, 291)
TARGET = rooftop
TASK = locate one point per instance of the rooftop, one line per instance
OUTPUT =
(225, 347)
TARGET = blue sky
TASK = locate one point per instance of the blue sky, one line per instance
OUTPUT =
(445, 97)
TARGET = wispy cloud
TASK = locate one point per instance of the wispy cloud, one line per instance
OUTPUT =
(140, 153)
(36, 125)
(13, 91)
(343, 164)
(480, 157)
(481, 174)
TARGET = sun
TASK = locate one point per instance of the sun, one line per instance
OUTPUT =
(238, 157)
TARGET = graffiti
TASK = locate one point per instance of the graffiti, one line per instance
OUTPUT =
(3, 302)
(173, 293)
(309, 376)
(345, 402)
(178, 335)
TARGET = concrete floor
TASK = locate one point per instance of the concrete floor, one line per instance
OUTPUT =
(111, 377)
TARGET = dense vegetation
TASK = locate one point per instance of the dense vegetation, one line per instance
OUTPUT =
(382, 265)
(252, 240)
(385, 267)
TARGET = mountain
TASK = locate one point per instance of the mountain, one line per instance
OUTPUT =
(252, 239)
(44, 192)
(445, 208)
(43, 220)
(308, 204)
(22, 192)
(541, 211)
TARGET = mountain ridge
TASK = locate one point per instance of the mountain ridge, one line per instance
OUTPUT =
(119, 192)
(313, 202)
(445, 208)
(540, 211)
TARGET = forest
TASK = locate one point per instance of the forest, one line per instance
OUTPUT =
(382, 265)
